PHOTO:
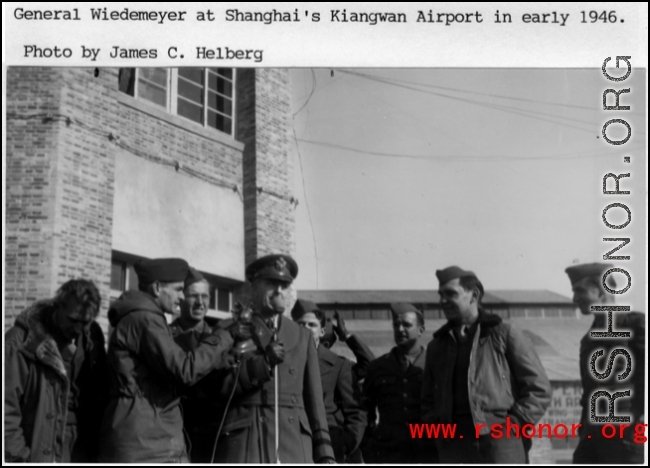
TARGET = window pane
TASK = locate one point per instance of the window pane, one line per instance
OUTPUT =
(224, 86)
(133, 279)
(153, 93)
(117, 276)
(190, 91)
(220, 103)
(192, 74)
(220, 122)
(126, 80)
(190, 111)
(227, 72)
(154, 75)
(223, 299)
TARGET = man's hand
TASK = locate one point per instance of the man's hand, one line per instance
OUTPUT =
(339, 327)
(241, 331)
(274, 353)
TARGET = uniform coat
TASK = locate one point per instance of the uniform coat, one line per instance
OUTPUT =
(345, 416)
(37, 389)
(394, 390)
(248, 435)
(143, 421)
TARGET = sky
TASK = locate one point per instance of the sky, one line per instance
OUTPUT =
(400, 172)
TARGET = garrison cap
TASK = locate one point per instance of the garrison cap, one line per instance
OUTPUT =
(303, 307)
(193, 276)
(451, 273)
(579, 272)
(165, 270)
(278, 267)
(397, 308)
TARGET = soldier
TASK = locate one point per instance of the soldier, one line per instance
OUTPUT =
(201, 410)
(54, 378)
(593, 448)
(360, 350)
(345, 417)
(284, 356)
(393, 386)
(143, 421)
(480, 372)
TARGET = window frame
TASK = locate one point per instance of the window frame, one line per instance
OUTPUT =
(172, 95)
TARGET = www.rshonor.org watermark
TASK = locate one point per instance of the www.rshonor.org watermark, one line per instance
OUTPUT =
(611, 417)
(511, 430)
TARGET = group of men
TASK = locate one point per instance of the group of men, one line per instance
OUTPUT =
(264, 387)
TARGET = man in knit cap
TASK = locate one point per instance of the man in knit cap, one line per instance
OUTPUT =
(481, 374)
(588, 290)
(143, 421)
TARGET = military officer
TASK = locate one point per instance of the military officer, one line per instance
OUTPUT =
(392, 388)
(284, 356)
(593, 448)
(345, 417)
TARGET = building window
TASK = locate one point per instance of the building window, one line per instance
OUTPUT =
(202, 95)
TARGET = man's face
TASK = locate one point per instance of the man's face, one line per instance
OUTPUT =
(196, 302)
(585, 294)
(311, 323)
(271, 295)
(456, 302)
(406, 330)
(170, 296)
(73, 319)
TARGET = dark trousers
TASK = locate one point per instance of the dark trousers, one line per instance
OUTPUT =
(599, 451)
(485, 449)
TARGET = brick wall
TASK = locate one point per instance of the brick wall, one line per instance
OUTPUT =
(59, 181)
(60, 176)
(264, 125)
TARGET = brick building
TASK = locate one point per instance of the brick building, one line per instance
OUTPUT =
(106, 166)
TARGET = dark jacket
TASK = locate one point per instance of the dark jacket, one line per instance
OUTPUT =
(202, 409)
(143, 421)
(506, 376)
(37, 389)
(395, 393)
(345, 417)
(363, 354)
(248, 434)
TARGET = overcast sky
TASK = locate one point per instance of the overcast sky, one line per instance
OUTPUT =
(406, 171)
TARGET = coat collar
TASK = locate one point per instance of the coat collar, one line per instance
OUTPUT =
(485, 322)
(39, 343)
(327, 356)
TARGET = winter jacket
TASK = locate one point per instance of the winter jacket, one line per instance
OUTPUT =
(37, 389)
(506, 377)
(143, 421)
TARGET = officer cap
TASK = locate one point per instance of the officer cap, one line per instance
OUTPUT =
(193, 276)
(165, 270)
(579, 272)
(303, 307)
(278, 267)
(397, 308)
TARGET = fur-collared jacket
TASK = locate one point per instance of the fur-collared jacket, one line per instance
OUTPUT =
(506, 376)
(37, 389)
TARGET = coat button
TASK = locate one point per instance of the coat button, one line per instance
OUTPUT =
(292, 370)
(262, 419)
(50, 416)
(47, 451)
(291, 419)
(294, 399)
